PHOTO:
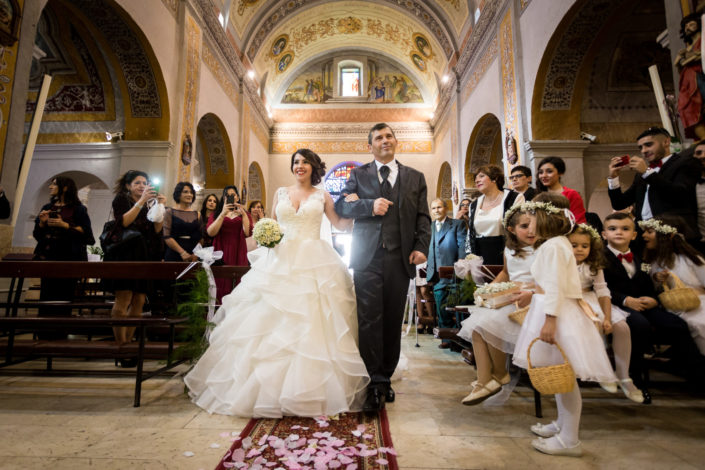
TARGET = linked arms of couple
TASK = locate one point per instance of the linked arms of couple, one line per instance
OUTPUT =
(380, 208)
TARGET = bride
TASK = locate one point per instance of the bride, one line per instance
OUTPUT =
(286, 338)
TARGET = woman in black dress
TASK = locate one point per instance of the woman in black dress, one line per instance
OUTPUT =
(183, 226)
(62, 230)
(207, 208)
(132, 193)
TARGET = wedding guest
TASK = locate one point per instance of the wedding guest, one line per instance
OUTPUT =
(550, 171)
(256, 210)
(464, 212)
(63, 231)
(229, 229)
(207, 208)
(487, 213)
(520, 177)
(183, 226)
(132, 193)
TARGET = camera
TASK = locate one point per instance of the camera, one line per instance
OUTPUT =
(230, 199)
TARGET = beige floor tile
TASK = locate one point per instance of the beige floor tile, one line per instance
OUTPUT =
(23, 463)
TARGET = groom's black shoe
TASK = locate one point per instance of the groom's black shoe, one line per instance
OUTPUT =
(390, 395)
(374, 401)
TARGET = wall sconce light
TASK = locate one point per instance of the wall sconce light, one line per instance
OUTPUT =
(114, 136)
(590, 137)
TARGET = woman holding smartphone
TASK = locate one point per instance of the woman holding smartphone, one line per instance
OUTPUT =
(229, 226)
(62, 230)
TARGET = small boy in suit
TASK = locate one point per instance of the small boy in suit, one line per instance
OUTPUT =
(632, 290)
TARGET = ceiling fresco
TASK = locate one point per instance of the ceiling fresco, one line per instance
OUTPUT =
(351, 27)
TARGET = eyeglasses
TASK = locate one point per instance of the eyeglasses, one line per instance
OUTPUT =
(516, 177)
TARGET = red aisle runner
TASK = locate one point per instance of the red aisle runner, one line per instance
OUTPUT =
(349, 441)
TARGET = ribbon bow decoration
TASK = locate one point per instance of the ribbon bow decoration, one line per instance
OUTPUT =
(207, 256)
(628, 257)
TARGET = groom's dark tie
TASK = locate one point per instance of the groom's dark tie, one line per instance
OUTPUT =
(386, 185)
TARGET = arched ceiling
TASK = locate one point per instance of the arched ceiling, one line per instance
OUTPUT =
(320, 28)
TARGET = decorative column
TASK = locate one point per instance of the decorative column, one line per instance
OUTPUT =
(192, 79)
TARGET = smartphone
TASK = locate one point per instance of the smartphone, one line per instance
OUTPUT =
(230, 199)
(54, 214)
(624, 160)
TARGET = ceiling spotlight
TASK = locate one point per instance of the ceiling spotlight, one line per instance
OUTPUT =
(445, 78)
(251, 74)
(114, 136)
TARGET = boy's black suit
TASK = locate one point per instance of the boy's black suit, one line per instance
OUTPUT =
(653, 325)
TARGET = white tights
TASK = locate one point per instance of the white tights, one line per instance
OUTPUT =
(622, 347)
(570, 406)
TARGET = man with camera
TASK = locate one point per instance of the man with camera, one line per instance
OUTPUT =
(664, 182)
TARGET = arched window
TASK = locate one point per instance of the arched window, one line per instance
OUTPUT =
(350, 81)
(336, 178)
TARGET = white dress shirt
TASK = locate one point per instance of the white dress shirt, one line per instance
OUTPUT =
(393, 171)
(439, 224)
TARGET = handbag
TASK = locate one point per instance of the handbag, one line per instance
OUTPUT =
(117, 241)
(680, 297)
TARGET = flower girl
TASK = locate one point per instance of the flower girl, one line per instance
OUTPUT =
(555, 316)
(491, 332)
(668, 252)
(587, 248)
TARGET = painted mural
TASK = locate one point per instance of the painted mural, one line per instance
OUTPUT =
(308, 87)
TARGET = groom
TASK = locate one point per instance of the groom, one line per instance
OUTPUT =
(390, 237)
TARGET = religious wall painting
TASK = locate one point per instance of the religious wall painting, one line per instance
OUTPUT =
(308, 88)
(388, 84)
(285, 61)
(10, 15)
(244, 4)
(418, 61)
(279, 45)
(422, 45)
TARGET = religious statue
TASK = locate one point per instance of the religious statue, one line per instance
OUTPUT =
(691, 84)
(186, 147)
(510, 145)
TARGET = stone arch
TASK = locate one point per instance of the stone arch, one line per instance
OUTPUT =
(106, 75)
(214, 153)
(589, 78)
(444, 188)
(255, 184)
(484, 147)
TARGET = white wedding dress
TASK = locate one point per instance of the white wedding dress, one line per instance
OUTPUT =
(286, 338)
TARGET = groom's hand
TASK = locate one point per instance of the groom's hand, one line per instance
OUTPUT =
(416, 257)
(381, 206)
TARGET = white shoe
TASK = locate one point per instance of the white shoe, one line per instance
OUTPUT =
(481, 393)
(546, 430)
(556, 446)
(504, 380)
(635, 396)
(610, 387)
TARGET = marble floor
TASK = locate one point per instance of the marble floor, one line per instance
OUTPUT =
(88, 422)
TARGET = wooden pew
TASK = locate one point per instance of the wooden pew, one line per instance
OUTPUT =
(13, 324)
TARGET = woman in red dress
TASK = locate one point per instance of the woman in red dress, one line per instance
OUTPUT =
(229, 225)
(550, 171)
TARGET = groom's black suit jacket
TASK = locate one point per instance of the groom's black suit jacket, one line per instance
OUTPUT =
(414, 219)
(671, 190)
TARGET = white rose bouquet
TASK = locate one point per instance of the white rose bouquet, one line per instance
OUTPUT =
(267, 232)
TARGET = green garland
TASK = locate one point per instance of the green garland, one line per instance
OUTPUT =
(192, 297)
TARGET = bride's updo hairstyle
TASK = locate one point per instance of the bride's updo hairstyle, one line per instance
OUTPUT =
(319, 167)
(551, 224)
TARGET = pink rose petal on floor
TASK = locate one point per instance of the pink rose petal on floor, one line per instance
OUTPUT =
(253, 453)
(367, 436)
(352, 466)
(215, 446)
(334, 464)
(238, 455)
(296, 426)
(188, 453)
(228, 464)
(224, 434)
(262, 440)
(344, 459)
(361, 427)
(382, 461)
(338, 443)
(247, 443)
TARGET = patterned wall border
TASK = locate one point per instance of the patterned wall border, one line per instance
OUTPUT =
(8, 60)
(348, 131)
(509, 92)
(172, 6)
(524, 4)
(193, 71)
(480, 68)
(417, 9)
(425, 146)
(214, 65)
(567, 57)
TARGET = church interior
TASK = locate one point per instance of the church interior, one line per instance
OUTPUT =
(223, 92)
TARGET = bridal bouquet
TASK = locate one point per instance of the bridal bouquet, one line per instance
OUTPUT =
(267, 232)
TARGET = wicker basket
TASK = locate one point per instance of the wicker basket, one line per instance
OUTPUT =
(679, 298)
(551, 380)
(518, 315)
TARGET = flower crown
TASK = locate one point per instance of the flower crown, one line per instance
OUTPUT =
(590, 230)
(657, 226)
(530, 207)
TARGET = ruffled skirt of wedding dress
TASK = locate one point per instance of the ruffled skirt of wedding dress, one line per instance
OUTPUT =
(286, 339)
